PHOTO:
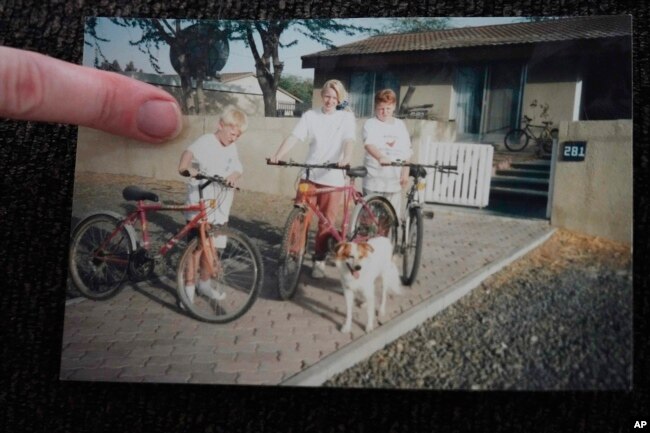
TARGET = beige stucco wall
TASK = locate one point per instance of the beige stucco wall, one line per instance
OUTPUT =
(104, 153)
(552, 84)
(595, 196)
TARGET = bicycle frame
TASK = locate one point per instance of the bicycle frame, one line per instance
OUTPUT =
(350, 193)
(140, 215)
(542, 128)
(308, 190)
(413, 192)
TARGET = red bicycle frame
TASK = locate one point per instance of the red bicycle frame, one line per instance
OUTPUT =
(307, 190)
(140, 214)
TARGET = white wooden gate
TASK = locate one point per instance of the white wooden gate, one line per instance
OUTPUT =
(471, 186)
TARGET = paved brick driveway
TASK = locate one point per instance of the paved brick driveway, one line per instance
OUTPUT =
(141, 336)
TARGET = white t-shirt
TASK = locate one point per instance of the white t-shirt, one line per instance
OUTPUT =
(213, 158)
(391, 139)
(325, 134)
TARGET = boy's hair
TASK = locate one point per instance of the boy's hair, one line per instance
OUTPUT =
(234, 116)
(338, 87)
(386, 96)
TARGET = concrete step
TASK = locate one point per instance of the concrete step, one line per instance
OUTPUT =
(521, 172)
(518, 191)
(540, 165)
(519, 182)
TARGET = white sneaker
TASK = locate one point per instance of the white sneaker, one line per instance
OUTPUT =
(318, 270)
(205, 288)
(219, 241)
(190, 289)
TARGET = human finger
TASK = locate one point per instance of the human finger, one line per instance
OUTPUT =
(41, 88)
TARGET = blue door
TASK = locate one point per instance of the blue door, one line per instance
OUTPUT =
(469, 84)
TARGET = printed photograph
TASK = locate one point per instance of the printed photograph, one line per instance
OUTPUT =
(406, 203)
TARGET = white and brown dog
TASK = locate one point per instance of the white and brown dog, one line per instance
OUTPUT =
(360, 264)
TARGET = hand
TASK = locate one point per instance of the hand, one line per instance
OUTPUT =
(403, 180)
(274, 159)
(344, 161)
(384, 160)
(233, 179)
(41, 88)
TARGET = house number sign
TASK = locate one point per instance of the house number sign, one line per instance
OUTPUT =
(574, 150)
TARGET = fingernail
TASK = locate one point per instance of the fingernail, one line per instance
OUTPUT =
(160, 119)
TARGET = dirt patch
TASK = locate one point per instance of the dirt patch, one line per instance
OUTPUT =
(568, 249)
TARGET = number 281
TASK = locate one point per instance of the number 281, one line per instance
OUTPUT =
(574, 151)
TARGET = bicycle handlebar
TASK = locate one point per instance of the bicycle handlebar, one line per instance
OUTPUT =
(527, 120)
(211, 178)
(412, 164)
(329, 165)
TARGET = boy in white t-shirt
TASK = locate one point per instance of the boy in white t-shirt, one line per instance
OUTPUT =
(330, 133)
(386, 140)
(213, 154)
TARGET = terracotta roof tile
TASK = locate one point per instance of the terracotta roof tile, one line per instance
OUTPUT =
(561, 29)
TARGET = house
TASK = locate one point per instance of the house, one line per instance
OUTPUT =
(240, 88)
(485, 79)
(247, 81)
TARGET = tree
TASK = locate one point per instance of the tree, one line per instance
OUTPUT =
(298, 86)
(113, 66)
(263, 37)
(187, 42)
(130, 67)
(412, 25)
(268, 66)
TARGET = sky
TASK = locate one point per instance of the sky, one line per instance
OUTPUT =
(241, 58)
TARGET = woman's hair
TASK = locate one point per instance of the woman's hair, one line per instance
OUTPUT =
(234, 116)
(386, 96)
(338, 87)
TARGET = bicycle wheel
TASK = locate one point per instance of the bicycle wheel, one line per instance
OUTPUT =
(412, 247)
(516, 140)
(292, 253)
(382, 222)
(237, 281)
(547, 143)
(99, 256)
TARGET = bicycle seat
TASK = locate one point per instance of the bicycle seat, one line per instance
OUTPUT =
(357, 171)
(547, 123)
(134, 193)
(417, 171)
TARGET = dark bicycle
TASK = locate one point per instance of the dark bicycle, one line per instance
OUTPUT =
(517, 139)
(409, 244)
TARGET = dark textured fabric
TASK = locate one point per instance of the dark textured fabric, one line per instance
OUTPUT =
(37, 165)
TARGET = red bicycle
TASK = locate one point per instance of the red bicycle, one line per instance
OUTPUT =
(374, 217)
(105, 250)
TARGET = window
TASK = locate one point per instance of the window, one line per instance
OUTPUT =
(486, 99)
(364, 85)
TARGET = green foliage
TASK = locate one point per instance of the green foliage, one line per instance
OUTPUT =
(298, 86)
(130, 67)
